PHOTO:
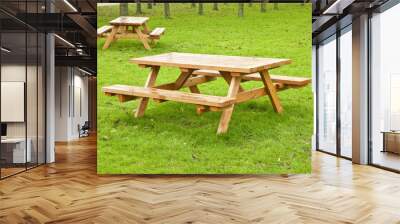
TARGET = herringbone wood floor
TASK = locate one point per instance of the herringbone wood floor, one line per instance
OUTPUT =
(69, 191)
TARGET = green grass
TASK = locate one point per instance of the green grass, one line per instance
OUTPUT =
(171, 138)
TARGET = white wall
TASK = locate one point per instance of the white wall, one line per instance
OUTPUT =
(70, 83)
(10, 73)
(16, 73)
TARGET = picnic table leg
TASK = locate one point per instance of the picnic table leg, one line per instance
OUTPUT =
(146, 29)
(183, 77)
(271, 90)
(111, 37)
(142, 37)
(228, 78)
(179, 82)
(122, 31)
(227, 112)
(151, 80)
(199, 108)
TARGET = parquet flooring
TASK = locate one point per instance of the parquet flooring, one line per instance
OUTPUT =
(69, 191)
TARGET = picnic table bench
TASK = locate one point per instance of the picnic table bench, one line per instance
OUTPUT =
(197, 69)
(130, 27)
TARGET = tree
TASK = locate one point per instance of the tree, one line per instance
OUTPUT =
(263, 6)
(276, 6)
(149, 4)
(201, 10)
(138, 7)
(167, 13)
(123, 9)
(241, 9)
(215, 7)
(193, 5)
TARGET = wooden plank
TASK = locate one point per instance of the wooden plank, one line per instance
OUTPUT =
(103, 29)
(287, 80)
(227, 113)
(198, 80)
(237, 64)
(125, 98)
(157, 32)
(250, 94)
(256, 93)
(271, 91)
(129, 20)
(151, 79)
(291, 81)
(127, 36)
(190, 82)
(205, 72)
(184, 97)
(193, 81)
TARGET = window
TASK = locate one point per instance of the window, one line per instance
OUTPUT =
(327, 95)
(22, 78)
(346, 95)
(385, 89)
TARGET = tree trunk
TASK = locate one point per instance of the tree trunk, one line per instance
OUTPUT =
(276, 6)
(138, 7)
(167, 13)
(123, 9)
(201, 10)
(241, 9)
(263, 6)
(215, 7)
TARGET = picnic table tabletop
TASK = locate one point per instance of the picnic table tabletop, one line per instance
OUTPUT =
(129, 21)
(239, 64)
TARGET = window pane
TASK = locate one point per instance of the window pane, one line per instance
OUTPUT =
(14, 153)
(346, 93)
(31, 97)
(327, 96)
(41, 99)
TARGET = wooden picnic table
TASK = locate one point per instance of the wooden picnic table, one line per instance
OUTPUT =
(130, 27)
(196, 69)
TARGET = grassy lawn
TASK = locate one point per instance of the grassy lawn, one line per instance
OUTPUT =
(171, 138)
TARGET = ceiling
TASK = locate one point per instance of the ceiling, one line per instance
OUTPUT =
(331, 15)
(72, 20)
